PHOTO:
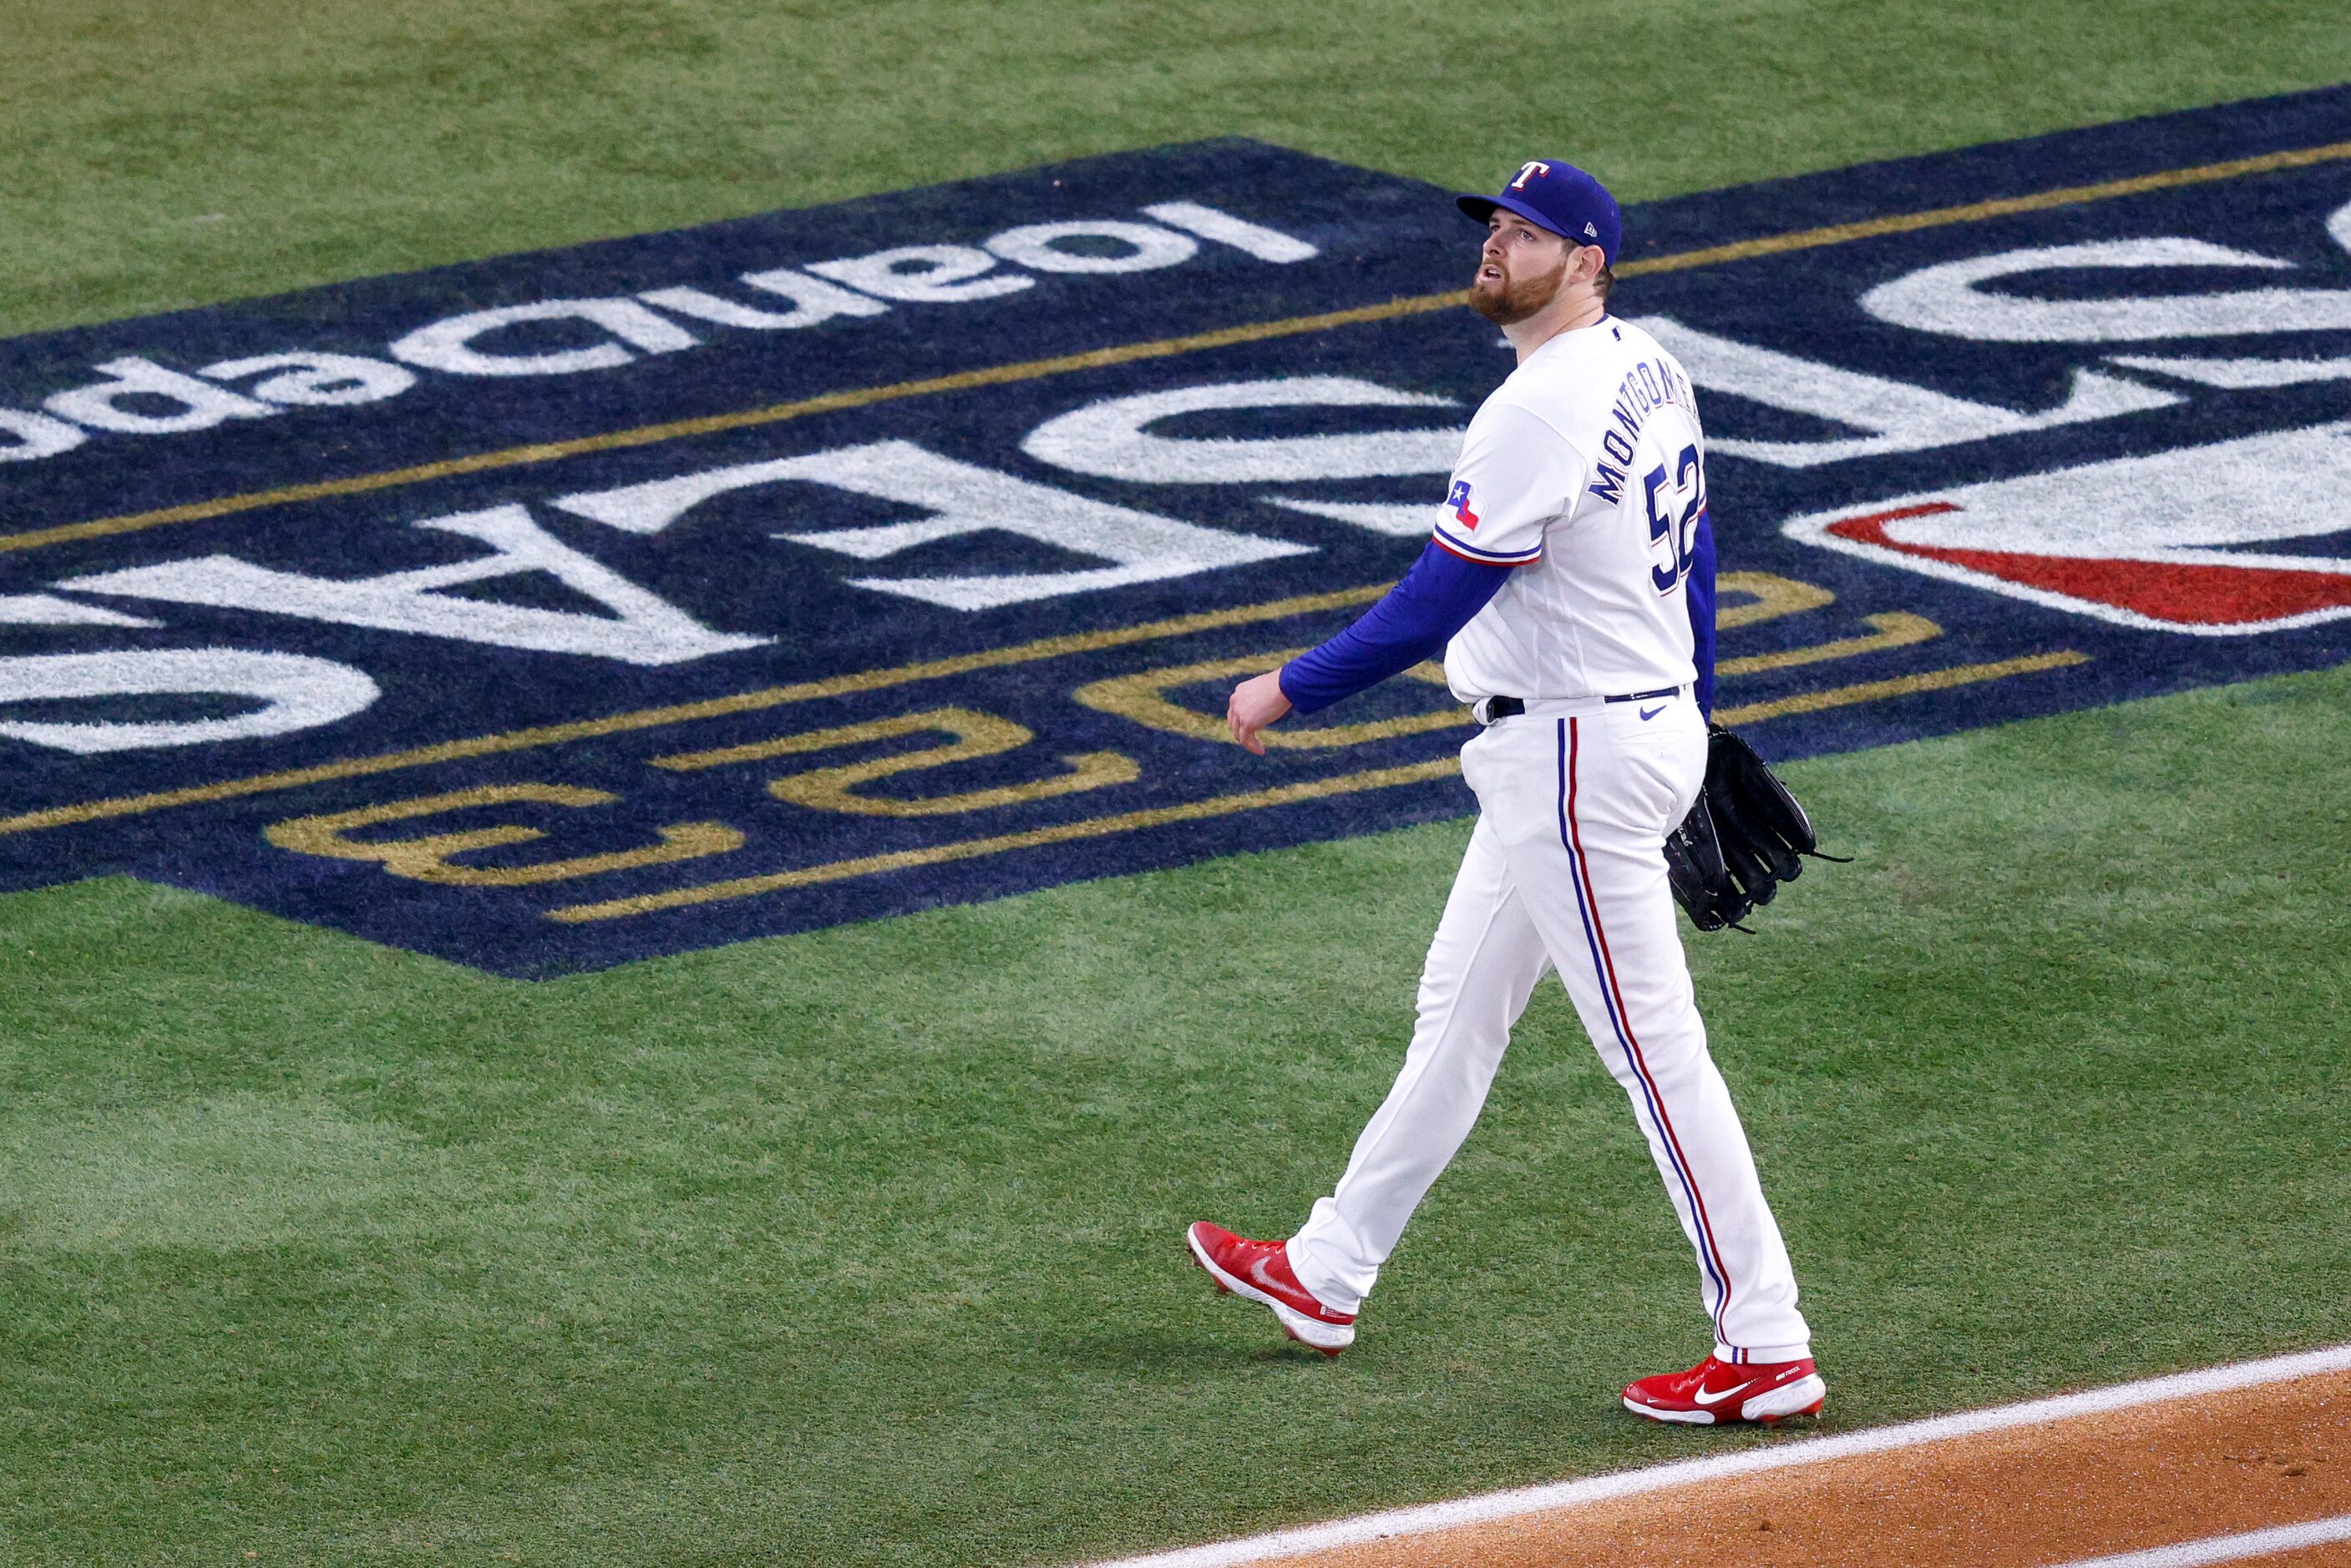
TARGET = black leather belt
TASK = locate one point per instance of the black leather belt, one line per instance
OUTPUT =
(1511, 707)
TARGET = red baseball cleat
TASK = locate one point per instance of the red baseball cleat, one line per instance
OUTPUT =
(1260, 1271)
(1767, 1392)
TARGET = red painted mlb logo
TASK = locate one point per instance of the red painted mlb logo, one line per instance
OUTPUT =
(2166, 542)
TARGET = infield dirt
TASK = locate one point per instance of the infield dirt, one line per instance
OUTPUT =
(2125, 1481)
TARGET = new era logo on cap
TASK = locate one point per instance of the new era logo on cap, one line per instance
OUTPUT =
(1554, 194)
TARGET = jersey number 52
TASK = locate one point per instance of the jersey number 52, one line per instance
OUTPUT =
(1673, 510)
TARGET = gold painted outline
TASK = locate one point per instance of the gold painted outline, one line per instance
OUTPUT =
(974, 848)
(1161, 349)
(734, 888)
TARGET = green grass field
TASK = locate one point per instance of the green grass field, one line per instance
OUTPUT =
(862, 1246)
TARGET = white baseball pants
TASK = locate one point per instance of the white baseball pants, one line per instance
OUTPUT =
(1566, 870)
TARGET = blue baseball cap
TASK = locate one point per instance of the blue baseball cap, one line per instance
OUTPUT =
(1555, 194)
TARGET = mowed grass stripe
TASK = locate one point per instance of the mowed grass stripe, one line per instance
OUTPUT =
(1158, 348)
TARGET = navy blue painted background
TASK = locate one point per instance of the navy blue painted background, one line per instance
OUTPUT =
(1379, 237)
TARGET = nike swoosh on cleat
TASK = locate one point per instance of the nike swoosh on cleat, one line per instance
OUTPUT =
(1257, 1272)
(1649, 714)
(1706, 1399)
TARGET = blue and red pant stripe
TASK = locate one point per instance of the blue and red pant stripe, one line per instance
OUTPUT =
(1611, 1000)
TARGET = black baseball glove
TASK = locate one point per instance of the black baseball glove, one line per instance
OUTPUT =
(1745, 836)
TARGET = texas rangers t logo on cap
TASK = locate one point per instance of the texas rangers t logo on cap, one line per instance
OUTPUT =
(1555, 195)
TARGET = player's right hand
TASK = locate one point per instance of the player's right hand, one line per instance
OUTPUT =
(1256, 702)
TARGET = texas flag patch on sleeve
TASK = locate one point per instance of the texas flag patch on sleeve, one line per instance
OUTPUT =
(1458, 500)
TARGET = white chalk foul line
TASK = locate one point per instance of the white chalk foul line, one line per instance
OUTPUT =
(2228, 1548)
(1522, 1500)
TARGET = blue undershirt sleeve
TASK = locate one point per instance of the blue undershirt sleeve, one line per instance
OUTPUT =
(1412, 622)
(1701, 591)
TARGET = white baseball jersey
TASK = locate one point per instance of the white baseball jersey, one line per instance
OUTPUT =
(1585, 470)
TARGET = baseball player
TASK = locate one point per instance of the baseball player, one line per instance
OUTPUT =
(1570, 589)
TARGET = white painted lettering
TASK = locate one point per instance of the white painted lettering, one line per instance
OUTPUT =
(141, 384)
(1253, 239)
(449, 344)
(1144, 246)
(1948, 298)
(813, 301)
(2239, 375)
(317, 380)
(820, 298)
(1112, 439)
(642, 629)
(1400, 519)
(48, 609)
(1900, 417)
(296, 692)
(35, 436)
(925, 275)
(962, 500)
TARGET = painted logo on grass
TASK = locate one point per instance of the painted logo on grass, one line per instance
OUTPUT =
(556, 610)
(2164, 542)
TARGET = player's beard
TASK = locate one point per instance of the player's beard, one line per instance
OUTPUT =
(1513, 299)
